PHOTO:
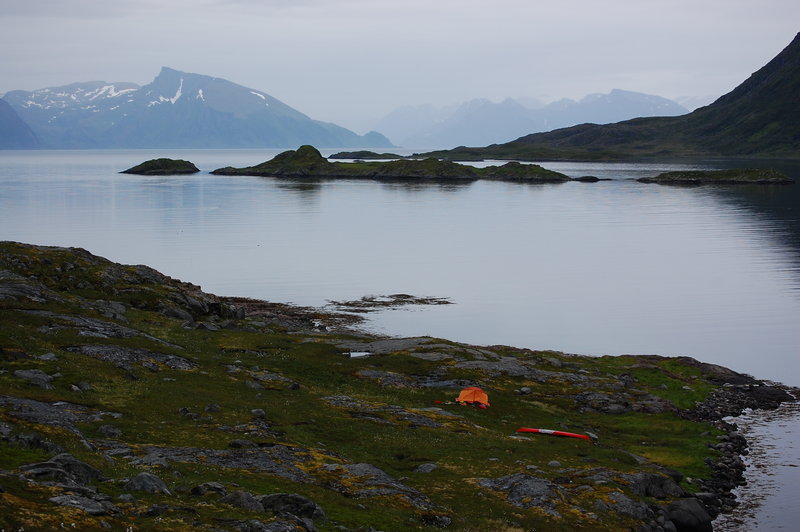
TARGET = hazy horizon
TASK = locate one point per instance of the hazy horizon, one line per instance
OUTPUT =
(352, 61)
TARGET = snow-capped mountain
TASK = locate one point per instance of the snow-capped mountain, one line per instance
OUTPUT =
(176, 110)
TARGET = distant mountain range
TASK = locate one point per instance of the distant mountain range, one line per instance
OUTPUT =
(480, 122)
(759, 118)
(176, 110)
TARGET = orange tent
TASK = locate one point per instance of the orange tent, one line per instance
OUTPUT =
(473, 396)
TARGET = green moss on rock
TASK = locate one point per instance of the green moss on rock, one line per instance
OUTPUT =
(308, 162)
(163, 166)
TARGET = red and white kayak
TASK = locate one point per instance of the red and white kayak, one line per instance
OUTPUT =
(555, 433)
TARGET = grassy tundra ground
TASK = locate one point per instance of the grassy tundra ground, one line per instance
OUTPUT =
(130, 400)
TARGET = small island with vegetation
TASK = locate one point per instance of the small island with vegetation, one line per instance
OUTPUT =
(307, 161)
(365, 155)
(163, 166)
(758, 176)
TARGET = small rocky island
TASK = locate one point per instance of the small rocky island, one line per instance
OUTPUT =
(131, 400)
(163, 167)
(365, 155)
(736, 176)
(307, 162)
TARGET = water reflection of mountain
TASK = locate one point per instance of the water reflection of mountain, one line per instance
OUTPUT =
(777, 206)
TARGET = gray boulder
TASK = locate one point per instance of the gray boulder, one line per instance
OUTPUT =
(654, 485)
(147, 482)
(293, 503)
(689, 515)
(209, 487)
(243, 499)
(63, 468)
(426, 468)
(90, 506)
(525, 491)
(36, 377)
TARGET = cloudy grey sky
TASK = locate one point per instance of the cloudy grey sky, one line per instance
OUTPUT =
(349, 61)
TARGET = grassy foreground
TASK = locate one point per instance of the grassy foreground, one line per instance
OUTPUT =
(130, 371)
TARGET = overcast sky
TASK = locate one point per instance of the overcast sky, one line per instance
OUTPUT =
(350, 61)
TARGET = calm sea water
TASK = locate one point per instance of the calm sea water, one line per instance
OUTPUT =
(612, 267)
(592, 268)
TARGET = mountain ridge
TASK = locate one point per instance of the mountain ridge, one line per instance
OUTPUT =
(481, 121)
(759, 118)
(176, 110)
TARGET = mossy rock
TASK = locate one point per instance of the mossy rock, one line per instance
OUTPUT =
(308, 162)
(729, 177)
(163, 167)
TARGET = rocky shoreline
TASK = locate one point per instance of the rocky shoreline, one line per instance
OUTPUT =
(728, 471)
(99, 358)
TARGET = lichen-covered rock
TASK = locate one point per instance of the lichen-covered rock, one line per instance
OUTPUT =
(366, 480)
(525, 491)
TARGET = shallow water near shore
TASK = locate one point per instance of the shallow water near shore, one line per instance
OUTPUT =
(612, 267)
(769, 500)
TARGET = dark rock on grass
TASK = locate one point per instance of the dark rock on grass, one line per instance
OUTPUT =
(525, 491)
(254, 525)
(59, 414)
(127, 357)
(426, 468)
(209, 487)
(242, 444)
(622, 504)
(148, 483)
(163, 167)
(653, 485)
(293, 503)
(243, 499)
(688, 515)
(90, 506)
(366, 480)
(36, 377)
(279, 460)
(109, 431)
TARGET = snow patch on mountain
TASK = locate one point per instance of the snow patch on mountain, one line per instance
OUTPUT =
(107, 91)
(261, 96)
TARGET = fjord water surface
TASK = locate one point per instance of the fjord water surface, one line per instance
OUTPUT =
(611, 267)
